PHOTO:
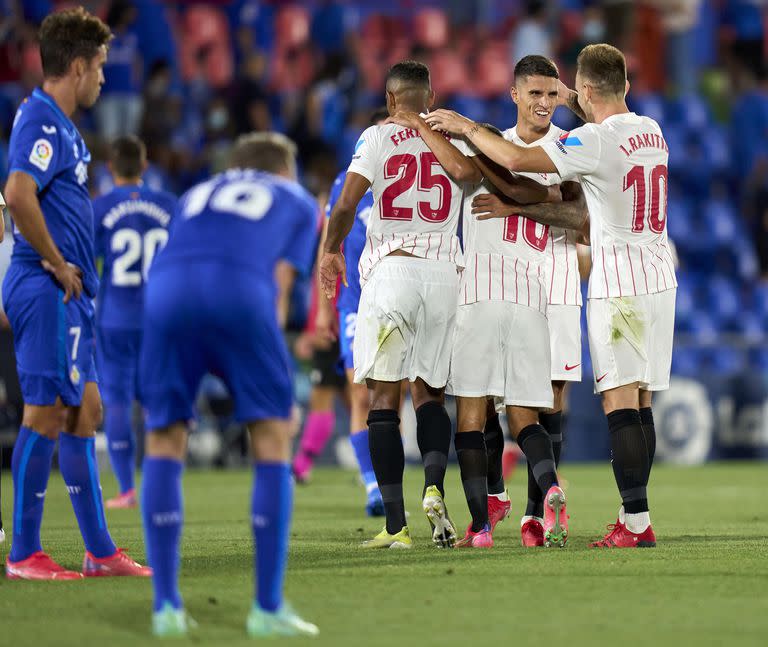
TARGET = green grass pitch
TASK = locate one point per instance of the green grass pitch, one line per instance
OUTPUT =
(705, 584)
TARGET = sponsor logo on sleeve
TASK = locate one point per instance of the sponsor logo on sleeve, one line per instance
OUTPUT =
(49, 130)
(41, 155)
(567, 140)
(360, 142)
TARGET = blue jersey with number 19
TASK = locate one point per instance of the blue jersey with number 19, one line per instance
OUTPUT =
(131, 227)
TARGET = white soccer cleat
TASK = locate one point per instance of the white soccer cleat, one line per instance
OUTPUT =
(443, 530)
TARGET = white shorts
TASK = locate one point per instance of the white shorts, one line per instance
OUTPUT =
(405, 321)
(565, 342)
(630, 340)
(501, 349)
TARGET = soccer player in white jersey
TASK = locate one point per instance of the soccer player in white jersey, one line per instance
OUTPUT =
(408, 274)
(535, 92)
(621, 159)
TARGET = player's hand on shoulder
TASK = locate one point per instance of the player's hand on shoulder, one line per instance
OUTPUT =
(69, 277)
(407, 119)
(331, 265)
(449, 121)
(489, 205)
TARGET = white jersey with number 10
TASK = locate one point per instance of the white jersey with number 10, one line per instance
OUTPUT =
(622, 165)
(416, 204)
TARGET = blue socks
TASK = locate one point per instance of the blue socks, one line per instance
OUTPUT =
(359, 443)
(121, 444)
(31, 467)
(162, 511)
(271, 507)
(77, 462)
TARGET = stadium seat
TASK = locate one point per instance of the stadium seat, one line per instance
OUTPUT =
(702, 329)
(649, 104)
(721, 219)
(292, 70)
(449, 74)
(471, 106)
(725, 360)
(493, 72)
(204, 45)
(292, 24)
(687, 360)
(431, 28)
(690, 111)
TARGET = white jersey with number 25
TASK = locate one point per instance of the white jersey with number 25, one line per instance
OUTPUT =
(622, 165)
(416, 204)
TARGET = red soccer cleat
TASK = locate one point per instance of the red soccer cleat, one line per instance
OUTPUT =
(555, 518)
(115, 565)
(497, 510)
(38, 566)
(621, 537)
(122, 501)
(480, 539)
(532, 533)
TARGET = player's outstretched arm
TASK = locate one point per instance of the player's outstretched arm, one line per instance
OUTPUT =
(339, 225)
(21, 196)
(570, 213)
(522, 190)
(456, 164)
(509, 155)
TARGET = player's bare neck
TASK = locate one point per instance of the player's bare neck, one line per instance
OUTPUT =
(602, 111)
(63, 93)
(127, 181)
(529, 133)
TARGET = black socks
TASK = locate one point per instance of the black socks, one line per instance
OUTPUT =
(433, 433)
(388, 461)
(630, 458)
(537, 447)
(473, 461)
(494, 448)
(552, 422)
(649, 431)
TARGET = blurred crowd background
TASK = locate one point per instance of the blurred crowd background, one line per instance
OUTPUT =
(188, 77)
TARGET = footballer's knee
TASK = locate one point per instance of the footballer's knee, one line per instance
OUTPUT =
(48, 421)
(384, 395)
(471, 414)
(167, 442)
(421, 393)
(270, 440)
(622, 397)
(558, 396)
(646, 399)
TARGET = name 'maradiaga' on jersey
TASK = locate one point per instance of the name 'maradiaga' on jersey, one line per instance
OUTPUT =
(46, 145)
(622, 165)
(561, 263)
(131, 226)
(354, 243)
(245, 218)
(416, 204)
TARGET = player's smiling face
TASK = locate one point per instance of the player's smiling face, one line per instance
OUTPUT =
(536, 99)
(91, 79)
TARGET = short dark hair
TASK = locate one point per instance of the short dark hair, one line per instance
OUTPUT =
(271, 152)
(605, 68)
(379, 115)
(535, 65)
(67, 35)
(411, 73)
(127, 155)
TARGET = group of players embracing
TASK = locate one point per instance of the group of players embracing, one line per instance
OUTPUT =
(496, 321)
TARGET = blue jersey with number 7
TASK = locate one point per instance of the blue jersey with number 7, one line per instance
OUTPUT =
(131, 226)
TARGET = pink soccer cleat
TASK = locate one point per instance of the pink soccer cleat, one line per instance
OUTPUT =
(532, 533)
(497, 510)
(38, 566)
(480, 539)
(555, 518)
(619, 536)
(123, 501)
(116, 565)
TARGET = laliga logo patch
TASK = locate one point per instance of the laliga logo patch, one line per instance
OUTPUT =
(567, 140)
(41, 155)
(74, 375)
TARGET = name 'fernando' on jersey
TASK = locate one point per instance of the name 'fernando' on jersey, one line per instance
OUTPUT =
(46, 145)
(622, 163)
(416, 204)
(131, 226)
(248, 219)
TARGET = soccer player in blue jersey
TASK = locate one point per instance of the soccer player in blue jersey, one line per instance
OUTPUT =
(340, 321)
(131, 227)
(47, 296)
(210, 305)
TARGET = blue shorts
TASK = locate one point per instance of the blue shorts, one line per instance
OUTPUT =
(117, 358)
(347, 323)
(54, 342)
(208, 317)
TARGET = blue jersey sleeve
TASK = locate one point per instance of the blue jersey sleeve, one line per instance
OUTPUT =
(35, 149)
(301, 248)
